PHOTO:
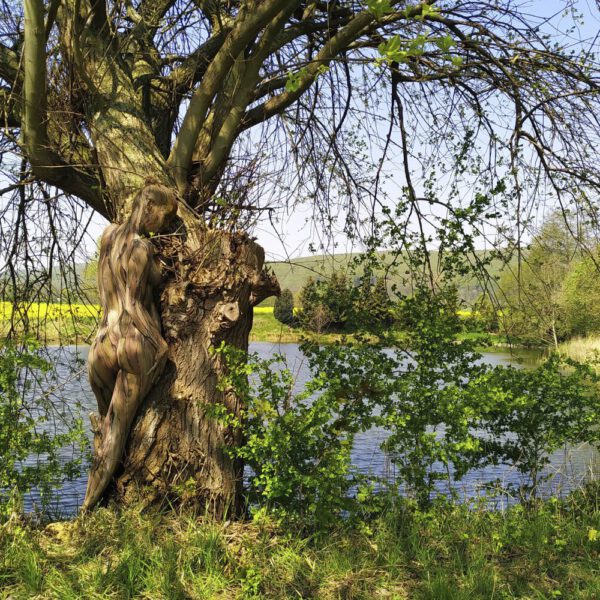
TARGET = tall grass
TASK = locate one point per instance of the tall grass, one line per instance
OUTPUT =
(581, 348)
(448, 552)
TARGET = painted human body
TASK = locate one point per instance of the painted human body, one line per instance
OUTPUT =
(129, 352)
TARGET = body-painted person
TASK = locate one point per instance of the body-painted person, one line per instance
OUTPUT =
(129, 352)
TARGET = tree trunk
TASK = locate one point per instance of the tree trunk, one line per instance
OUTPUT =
(177, 451)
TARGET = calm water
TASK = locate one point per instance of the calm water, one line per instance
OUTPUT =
(569, 467)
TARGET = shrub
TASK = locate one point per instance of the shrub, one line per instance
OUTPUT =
(373, 306)
(527, 414)
(582, 297)
(326, 304)
(283, 310)
(444, 412)
(298, 444)
(338, 303)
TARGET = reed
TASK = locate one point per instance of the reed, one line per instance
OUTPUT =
(581, 348)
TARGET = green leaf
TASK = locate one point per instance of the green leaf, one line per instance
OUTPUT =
(444, 43)
(294, 80)
(379, 8)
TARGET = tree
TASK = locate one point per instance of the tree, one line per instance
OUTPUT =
(314, 313)
(213, 98)
(533, 299)
(582, 296)
(284, 307)
(337, 294)
(327, 302)
(373, 306)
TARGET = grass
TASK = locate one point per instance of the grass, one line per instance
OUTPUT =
(55, 323)
(451, 552)
(266, 328)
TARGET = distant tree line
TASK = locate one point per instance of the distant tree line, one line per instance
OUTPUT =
(553, 293)
(338, 303)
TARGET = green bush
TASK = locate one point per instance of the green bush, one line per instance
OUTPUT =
(373, 306)
(527, 414)
(326, 304)
(298, 444)
(283, 309)
(337, 303)
(430, 413)
(581, 297)
(444, 411)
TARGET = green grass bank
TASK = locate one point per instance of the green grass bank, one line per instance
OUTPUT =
(449, 553)
(71, 328)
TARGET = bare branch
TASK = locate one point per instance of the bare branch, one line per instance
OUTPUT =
(328, 52)
(244, 30)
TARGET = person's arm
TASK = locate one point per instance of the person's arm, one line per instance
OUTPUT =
(138, 280)
(104, 271)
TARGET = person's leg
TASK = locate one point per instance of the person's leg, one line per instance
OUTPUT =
(114, 429)
(102, 371)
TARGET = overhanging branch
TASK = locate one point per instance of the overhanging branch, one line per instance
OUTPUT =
(332, 48)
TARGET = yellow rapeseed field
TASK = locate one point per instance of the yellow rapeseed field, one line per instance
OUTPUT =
(51, 310)
(57, 311)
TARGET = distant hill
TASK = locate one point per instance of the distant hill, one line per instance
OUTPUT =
(291, 275)
(294, 274)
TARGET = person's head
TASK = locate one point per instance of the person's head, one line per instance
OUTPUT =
(153, 208)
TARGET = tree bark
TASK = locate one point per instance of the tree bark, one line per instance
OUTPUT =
(177, 450)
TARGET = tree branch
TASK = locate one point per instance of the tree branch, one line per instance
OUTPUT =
(339, 42)
(242, 97)
(194, 67)
(9, 65)
(35, 136)
(248, 23)
(46, 163)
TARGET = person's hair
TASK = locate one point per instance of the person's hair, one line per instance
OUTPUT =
(155, 193)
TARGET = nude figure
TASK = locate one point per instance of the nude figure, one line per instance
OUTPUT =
(129, 352)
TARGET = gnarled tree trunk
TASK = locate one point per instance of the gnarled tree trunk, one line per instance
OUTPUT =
(176, 449)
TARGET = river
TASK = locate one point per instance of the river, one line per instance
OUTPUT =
(569, 467)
